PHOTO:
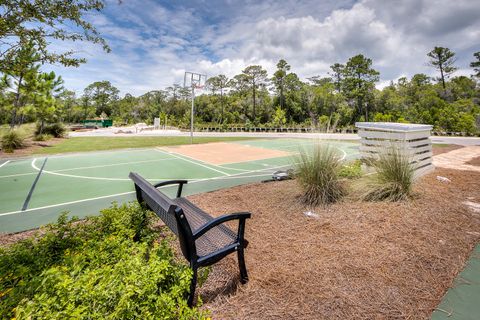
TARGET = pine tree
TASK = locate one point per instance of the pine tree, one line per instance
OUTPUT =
(443, 60)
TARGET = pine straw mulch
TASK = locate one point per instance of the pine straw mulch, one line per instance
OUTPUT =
(358, 260)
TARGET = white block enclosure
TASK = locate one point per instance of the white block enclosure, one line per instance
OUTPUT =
(412, 139)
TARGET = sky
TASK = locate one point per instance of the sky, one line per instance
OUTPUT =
(154, 42)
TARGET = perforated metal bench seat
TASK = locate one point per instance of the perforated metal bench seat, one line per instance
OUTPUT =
(204, 240)
(216, 238)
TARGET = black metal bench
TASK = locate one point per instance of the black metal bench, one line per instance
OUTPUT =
(204, 240)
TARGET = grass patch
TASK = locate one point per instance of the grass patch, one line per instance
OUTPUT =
(394, 177)
(42, 137)
(109, 143)
(318, 174)
(351, 170)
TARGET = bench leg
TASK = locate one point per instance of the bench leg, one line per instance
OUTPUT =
(193, 284)
(241, 266)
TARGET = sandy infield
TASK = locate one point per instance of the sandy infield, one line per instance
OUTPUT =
(223, 152)
(458, 159)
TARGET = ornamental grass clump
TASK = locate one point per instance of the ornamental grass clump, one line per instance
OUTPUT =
(318, 174)
(12, 140)
(394, 177)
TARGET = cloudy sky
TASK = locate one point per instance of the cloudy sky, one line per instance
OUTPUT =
(154, 42)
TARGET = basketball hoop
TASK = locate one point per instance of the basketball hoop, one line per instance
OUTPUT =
(193, 81)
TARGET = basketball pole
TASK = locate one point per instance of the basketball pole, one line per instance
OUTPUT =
(195, 82)
(191, 115)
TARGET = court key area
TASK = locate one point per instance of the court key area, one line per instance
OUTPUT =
(35, 191)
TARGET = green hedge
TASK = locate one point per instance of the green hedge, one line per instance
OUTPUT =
(108, 267)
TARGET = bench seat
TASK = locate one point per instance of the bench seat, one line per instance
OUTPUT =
(216, 238)
(204, 239)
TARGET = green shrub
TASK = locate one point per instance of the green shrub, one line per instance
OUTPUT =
(108, 267)
(57, 129)
(12, 140)
(42, 137)
(394, 177)
(351, 170)
(318, 175)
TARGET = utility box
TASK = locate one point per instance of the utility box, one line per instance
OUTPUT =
(412, 139)
(104, 123)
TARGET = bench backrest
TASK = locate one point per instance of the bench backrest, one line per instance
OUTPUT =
(170, 213)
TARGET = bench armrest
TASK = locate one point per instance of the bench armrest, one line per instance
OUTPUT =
(241, 216)
(166, 183)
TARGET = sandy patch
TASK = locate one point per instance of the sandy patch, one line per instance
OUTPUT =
(474, 162)
(439, 149)
(458, 159)
(222, 152)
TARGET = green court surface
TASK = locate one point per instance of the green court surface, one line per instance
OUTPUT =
(462, 301)
(85, 183)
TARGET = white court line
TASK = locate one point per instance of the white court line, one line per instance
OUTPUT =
(338, 148)
(188, 160)
(90, 167)
(303, 143)
(226, 177)
(209, 164)
(1, 165)
(232, 176)
(75, 176)
(66, 203)
(88, 177)
(112, 165)
(92, 153)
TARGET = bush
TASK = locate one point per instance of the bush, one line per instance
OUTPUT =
(352, 170)
(394, 177)
(57, 130)
(42, 137)
(108, 267)
(318, 175)
(12, 140)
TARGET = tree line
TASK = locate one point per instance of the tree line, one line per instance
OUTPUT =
(253, 98)
(338, 99)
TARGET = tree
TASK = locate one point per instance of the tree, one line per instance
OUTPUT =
(279, 118)
(38, 22)
(443, 60)
(219, 83)
(337, 75)
(256, 77)
(45, 86)
(23, 65)
(103, 95)
(240, 86)
(476, 64)
(279, 80)
(359, 81)
(68, 101)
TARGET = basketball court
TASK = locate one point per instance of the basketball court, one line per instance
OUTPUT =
(36, 190)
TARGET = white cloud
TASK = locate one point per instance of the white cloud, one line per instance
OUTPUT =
(153, 45)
